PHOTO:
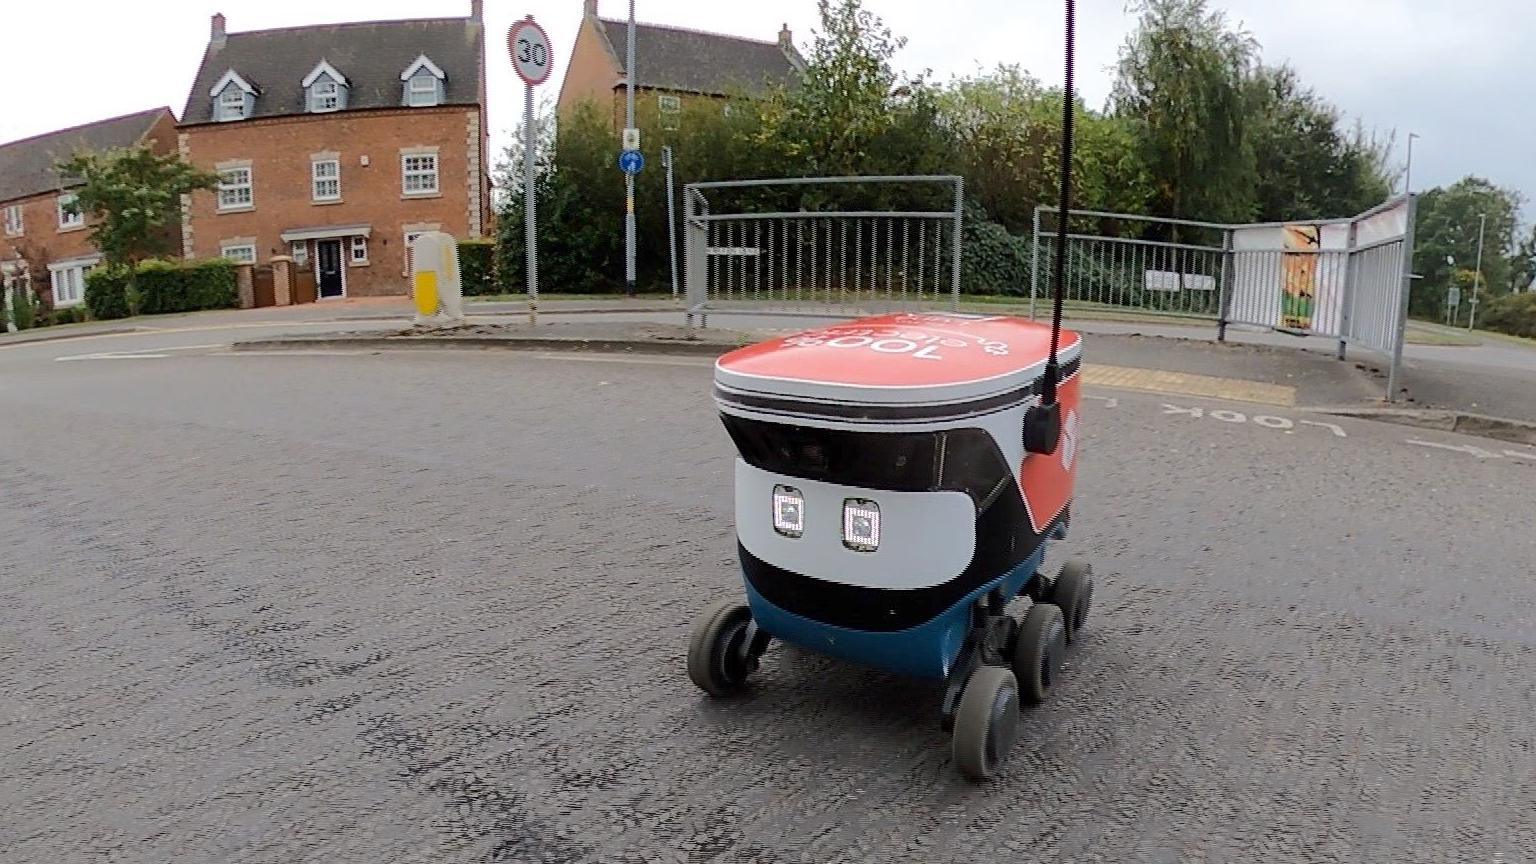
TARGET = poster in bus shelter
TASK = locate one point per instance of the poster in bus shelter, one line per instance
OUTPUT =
(1299, 265)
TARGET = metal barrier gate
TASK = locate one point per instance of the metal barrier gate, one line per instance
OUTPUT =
(1344, 279)
(773, 246)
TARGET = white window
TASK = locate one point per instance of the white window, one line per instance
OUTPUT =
(13, 224)
(300, 252)
(235, 189)
(231, 103)
(69, 215)
(14, 279)
(359, 250)
(325, 177)
(671, 110)
(418, 173)
(421, 92)
(324, 96)
(69, 282)
(243, 253)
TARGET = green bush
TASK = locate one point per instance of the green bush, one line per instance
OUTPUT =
(1514, 314)
(106, 293)
(166, 286)
(476, 267)
(24, 310)
(993, 261)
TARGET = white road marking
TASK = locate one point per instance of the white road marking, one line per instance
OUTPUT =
(1519, 454)
(1226, 415)
(141, 354)
(1109, 401)
(1338, 431)
(1456, 448)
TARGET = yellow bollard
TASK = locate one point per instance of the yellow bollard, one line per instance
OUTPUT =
(426, 293)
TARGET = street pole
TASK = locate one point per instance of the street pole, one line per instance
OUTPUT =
(529, 199)
(1405, 295)
(1477, 272)
(629, 179)
(666, 158)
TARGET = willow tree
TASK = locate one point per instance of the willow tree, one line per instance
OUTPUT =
(1181, 81)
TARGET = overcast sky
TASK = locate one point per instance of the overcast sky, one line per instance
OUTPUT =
(1454, 72)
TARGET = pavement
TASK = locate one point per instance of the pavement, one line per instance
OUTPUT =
(405, 606)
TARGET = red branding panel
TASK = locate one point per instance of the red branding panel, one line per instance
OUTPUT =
(902, 350)
(1047, 480)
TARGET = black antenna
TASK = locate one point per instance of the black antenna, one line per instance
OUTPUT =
(1052, 368)
(1042, 423)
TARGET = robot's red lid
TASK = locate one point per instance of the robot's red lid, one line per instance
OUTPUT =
(905, 358)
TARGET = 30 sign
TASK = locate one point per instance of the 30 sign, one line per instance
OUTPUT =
(529, 45)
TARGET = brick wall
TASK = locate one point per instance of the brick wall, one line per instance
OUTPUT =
(280, 150)
(590, 74)
(43, 241)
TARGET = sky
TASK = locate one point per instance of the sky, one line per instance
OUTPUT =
(1452, 72)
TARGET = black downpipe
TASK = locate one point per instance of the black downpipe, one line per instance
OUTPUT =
(1042, 424)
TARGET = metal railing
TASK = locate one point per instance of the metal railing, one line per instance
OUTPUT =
(822, 245)
(1337, 278)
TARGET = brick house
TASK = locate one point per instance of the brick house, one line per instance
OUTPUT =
(38, 234)
(675, 65)
(336, 144)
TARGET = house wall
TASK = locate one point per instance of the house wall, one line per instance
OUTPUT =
(279, 151)
(43, 242)
(590, 74)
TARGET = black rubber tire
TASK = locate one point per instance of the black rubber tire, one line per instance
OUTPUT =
(986, 722)
(1037, 652)
(1073, 592)
(717, 659)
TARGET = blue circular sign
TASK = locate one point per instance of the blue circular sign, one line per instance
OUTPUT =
(631, 161)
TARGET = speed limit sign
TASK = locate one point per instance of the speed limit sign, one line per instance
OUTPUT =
(529, 45)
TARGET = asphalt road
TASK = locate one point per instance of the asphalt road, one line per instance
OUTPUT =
(411, 607)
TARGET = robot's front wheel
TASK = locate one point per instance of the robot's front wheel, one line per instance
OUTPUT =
(724, 648)
(986, 722)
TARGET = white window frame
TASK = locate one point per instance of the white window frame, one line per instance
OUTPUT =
(358, 243)
(324, 101)
(669, 107)
(69, 221)
(420, 174)
(67, 279)
(298, 250)
(231, 193)
(236, 252)
(316, 179)
(231, 105)
(15, 221)
(419, 97)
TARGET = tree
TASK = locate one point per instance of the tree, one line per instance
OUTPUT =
(1307, 166)
(135, 196)
(1005, 130)
(1180, 81)
(1447, 225)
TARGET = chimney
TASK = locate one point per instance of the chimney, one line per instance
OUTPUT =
(477, 10)
(589, 8)
(786, 38)
(216, 29)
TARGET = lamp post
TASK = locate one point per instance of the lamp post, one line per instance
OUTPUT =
(629, 179)
(1477, 274)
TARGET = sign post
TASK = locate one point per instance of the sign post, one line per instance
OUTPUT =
(529, 45)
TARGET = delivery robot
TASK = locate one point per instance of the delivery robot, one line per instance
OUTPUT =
(898, 481)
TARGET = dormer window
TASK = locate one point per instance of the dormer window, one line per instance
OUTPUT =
(325, 89)
(325, 95)
(233, 98)
(423, 83)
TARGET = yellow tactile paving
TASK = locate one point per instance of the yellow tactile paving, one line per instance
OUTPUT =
(1184, 384)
